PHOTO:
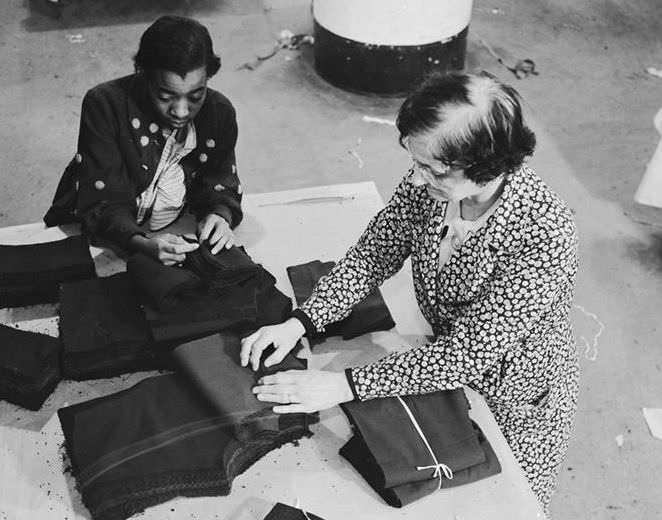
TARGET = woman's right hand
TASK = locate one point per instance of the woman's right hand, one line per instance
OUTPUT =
(167, 248)
(283, 337)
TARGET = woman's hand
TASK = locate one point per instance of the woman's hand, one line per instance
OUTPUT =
(216, 230)
(304, 391)
(283, 337)
(166, 248)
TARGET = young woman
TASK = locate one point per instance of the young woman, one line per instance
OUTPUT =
(494, 258)
(152, 143)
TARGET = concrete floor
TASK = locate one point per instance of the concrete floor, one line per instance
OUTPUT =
(592, 107)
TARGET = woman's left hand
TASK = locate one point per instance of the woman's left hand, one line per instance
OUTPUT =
(304, 391)
(217, 230)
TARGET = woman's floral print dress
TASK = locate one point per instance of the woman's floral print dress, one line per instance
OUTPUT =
(499, 309)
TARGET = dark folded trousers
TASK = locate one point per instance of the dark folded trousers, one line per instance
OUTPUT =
(29, 367)
(208, 293)
(369, 315)
(159, 440)
(396, 462)
(31, 274)
(103, 330)
(212, 366)
(284, 512)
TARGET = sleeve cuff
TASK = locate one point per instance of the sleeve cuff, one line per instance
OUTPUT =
(222, 211)
(119, 229)
(350, 381)
(311, 330)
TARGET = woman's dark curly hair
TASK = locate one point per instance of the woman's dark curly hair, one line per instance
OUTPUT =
(472, 121)
(176, 44)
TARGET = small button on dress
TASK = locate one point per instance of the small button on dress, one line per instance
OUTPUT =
(135, 123)
(99, 185)
(203, 157)
(153, 127)
(78, 158)
(210, 143)
(219, 187)
(144, 140)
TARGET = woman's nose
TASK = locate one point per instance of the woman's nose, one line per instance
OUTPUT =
(180, 109)
(417, 179)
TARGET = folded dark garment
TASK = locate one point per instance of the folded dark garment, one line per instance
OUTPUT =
(32, 273)
(180, 306)
(212, 365)
(103, 329)
(156, 441)
(369, 315)
(195, 320)
(284, 512)
(224, 270)
(164, 287)
(358, 455)
(398, 455)
(272, 305)
(29, 367)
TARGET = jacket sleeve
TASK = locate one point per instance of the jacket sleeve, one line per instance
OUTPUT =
(524, 288)
(106, 196)
(216, 187)
(379, 254)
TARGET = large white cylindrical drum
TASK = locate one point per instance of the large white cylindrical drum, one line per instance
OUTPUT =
(388, 46)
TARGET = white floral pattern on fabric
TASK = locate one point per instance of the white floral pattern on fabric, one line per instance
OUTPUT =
(499, 309)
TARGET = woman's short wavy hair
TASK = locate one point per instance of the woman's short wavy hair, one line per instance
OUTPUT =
(176, 44)
(472, 121)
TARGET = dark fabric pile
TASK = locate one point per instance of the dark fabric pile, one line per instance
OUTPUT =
(162, 438)
(208, 293)
(389, 458)
(103, 330)
(131, 321)
(212, 366)
(31, 274)
(29, 367)
(284, 512)
(369, 315)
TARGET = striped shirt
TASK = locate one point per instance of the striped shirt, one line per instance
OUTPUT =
(162, 202)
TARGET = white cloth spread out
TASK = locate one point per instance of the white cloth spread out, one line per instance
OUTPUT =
(165, 196)
(459, 230)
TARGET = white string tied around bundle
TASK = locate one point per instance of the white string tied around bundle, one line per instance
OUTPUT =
(437, 466)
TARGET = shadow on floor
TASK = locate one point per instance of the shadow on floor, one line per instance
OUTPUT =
(50, 15)
(649, 254)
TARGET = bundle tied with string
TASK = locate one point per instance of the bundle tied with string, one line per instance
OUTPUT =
(431, 443)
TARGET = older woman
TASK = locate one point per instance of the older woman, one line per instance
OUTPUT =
(494, 259)
(151, 143)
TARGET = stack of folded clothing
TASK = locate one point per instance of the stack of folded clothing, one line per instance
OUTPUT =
(32, 273)
(103, 329)
(29, 367)
(284, 512)
(212, 365)
(205, 295)
(431, 443)
(369, 315)
(162, 439)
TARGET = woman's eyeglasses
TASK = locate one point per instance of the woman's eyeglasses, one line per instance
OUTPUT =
(440, 172)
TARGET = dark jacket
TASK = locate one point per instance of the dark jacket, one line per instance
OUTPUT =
(119, 148)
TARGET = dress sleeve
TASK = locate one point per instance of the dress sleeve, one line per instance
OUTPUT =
(216, 188)
(524, 289)
(379, 254)
(106, 196)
